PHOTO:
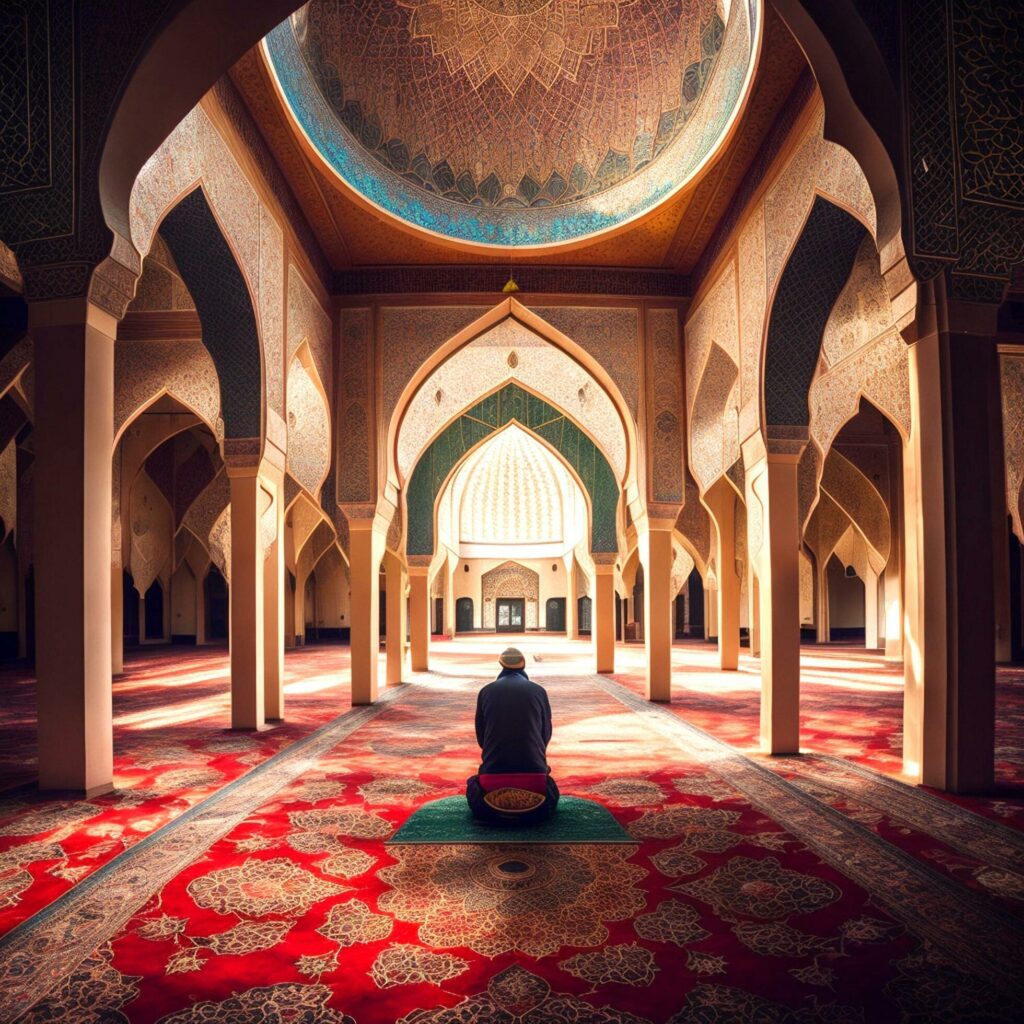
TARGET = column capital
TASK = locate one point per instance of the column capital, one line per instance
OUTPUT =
(66, 312)
(242, 456)
(785, 443)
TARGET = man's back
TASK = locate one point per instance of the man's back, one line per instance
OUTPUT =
(513, 724)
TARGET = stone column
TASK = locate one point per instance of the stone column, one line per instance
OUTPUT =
(710, 613)
(721, 502)
(274, 585)
(655, 542)
(366, 544)
(822, 626)
(419, 617)
(1001, 569)
(871, 611)
(571, 625)
(772, 470)
(602, 616)
(449, 596)
(755, 614)
(245, 593)
(116, 619)
(892, 595)
(949, 692)
(396, 627)
(74, 438)
(200, 610)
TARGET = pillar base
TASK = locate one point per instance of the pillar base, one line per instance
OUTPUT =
(78, 794)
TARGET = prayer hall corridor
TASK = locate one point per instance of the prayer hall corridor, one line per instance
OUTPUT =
(670, 349)
(743, 892)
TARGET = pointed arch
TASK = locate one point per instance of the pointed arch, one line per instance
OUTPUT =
(816, 271)
(226, 308)
(308, 419)
(512, 309)
(511, 404)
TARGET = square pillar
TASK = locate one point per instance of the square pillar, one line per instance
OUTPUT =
(823, 628)
(721, 502)
(273, 600)
(419, 618)
(656, 556)
(245, 598)
(772, 476)
(603, 618)
(871, 611)
(74, 438)
(892, 612)
(116, 619)
(396, 625)
(200, 610)
(950, 487)
(571, 626)
(366, 541)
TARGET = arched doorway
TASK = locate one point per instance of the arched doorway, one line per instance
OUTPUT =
(464, 615)
(695, 605)
(130, 606)
(153, 603)
(845, 602)
(583, 612)
(216, 605)
(554, 615)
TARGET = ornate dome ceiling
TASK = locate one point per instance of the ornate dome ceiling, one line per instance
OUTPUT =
(516, 123)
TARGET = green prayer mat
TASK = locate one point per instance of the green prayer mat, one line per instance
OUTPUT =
(449, 820)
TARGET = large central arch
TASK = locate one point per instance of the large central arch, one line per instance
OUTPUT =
(511, 404)
(425, 400)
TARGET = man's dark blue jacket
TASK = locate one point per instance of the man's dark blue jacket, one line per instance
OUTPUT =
(513, 724)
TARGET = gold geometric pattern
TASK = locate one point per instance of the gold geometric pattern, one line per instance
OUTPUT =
(411, 965)
(629, 792)
(674, 821)
(393, 790)
(621, 965)
(512, 40)
(258, 887)
(761, 888)
(672, 921)
(515, 996)
(776, 938)
(95, 985)
(347, 863)
(353, 922)
(272, 1003)
(320, 830)
(530, 899)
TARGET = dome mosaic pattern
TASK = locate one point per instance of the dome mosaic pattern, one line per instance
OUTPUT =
(516, 123)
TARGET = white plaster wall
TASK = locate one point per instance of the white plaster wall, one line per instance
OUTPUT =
(469, 584)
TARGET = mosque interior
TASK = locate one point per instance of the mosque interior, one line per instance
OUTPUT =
(678, 343)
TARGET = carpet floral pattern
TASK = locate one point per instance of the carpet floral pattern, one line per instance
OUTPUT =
(717, 912)
(851, 706)
(172, 748)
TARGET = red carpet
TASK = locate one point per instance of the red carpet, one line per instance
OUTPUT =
(851, 707)
(741, 901)
(172, 748)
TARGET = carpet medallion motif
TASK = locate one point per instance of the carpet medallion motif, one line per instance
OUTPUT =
(530, 899)
(741, 898)
(259, 887)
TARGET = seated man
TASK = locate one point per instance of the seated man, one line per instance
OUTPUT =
(513, 727)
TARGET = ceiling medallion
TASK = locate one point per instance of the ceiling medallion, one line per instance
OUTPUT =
(515, 124)
(512, 40)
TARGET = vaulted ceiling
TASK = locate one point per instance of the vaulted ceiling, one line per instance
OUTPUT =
(410, 37)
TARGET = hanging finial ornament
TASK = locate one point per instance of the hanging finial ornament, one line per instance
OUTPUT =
(510, 285)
